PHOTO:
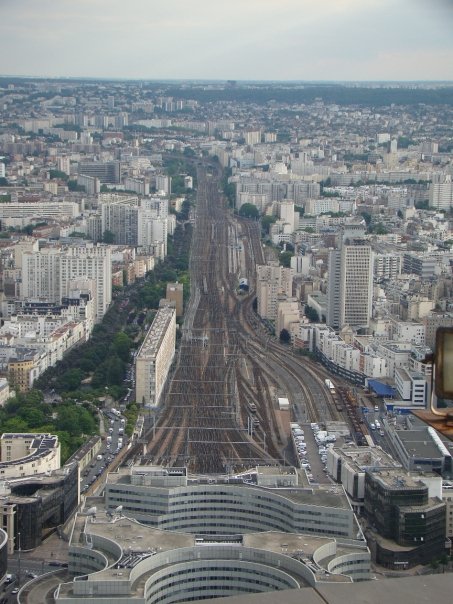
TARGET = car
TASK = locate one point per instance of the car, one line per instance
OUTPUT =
(56, 563)
(376, 407)
(32, 575)
(15, 590)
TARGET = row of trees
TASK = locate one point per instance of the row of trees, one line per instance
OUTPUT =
(101, 362)
(28, 412)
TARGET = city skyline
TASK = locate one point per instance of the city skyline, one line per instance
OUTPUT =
(290, 40)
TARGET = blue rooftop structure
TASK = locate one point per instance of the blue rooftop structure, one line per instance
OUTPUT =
(381, 389)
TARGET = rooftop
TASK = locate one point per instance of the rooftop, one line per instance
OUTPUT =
(156, 332)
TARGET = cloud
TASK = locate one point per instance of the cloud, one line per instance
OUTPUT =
(252, 39)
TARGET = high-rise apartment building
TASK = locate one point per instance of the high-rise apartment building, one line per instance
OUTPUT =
(273, 283)
(41, 275)
(92, 262)
(121, 216)
(441, 192)
(50, 274)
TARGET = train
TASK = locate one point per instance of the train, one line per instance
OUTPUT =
(330, 386)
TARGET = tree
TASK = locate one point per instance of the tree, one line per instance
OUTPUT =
(70, 380)
(311, 314)
(73, 186)
(285, 336)
(248, 210)
(108, 237)
(122, 346)
(379, 229)
(367, 218)
(285, 259)
(58, 174)
(266, 222)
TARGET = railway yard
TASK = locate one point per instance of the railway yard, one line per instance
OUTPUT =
(220, 411)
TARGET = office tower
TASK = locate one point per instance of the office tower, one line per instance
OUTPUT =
(350, 284)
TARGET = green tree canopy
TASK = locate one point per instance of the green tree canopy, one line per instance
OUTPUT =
(248, 210)
(285, 259)
(108, 237)
(285, 336)
(266, 222)
(311, 314)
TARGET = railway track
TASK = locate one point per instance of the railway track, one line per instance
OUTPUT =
(206, 422)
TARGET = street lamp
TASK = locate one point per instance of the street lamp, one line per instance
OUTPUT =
(18, 560)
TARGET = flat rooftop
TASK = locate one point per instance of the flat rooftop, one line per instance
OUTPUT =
(319, 495)
(359, 458)
(419, 443)
(156, 332)
(398, 479)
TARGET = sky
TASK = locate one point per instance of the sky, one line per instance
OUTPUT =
(228, 39)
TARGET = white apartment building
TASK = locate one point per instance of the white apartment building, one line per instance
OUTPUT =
(41, 274)
(412, 387)
(4, 391)
(155, 356)
(395, 353)
(163, 183)
(15, 213)
(252, 137)
(301, 264)
(315, 207)
(120, 216)
(27, 244)
(441, 192)
(387, 266)
(409, 332)
(152, 231)
(273, 284)
(288, 312)
(91, 262)
(287, 214)
(28, 454)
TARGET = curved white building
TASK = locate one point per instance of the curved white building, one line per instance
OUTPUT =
(273, 502)
(117, 558)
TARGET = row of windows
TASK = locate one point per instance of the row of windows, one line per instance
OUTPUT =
(212, 593)
(208, 512)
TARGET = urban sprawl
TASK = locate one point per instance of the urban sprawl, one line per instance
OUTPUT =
(219, 304)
